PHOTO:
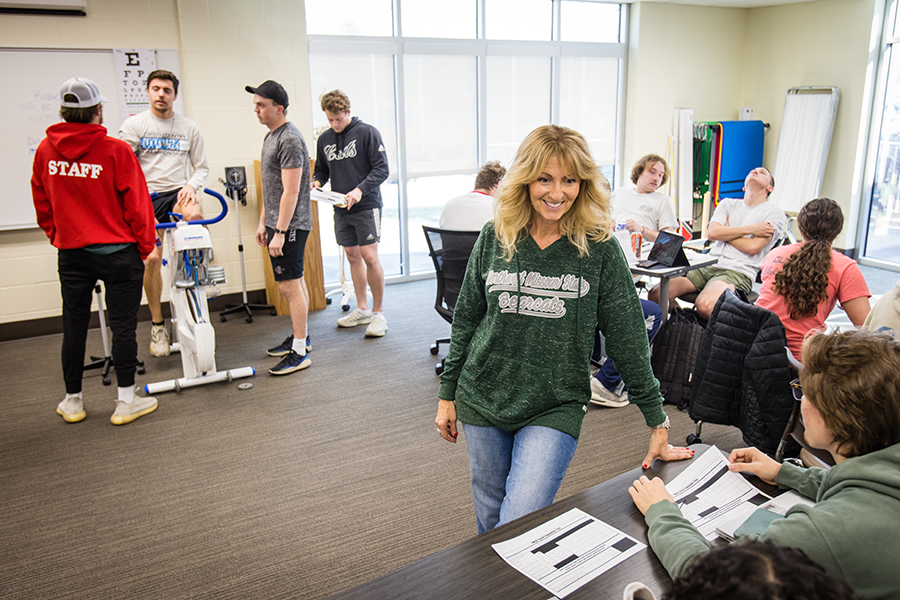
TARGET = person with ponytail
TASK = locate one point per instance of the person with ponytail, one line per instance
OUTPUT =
(802, 282)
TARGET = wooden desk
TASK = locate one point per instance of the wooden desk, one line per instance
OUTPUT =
(313, 272)
(473, 570)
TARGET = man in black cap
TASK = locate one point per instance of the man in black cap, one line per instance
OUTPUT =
(285, 222)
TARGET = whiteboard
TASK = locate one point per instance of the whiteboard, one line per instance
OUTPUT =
(803, 144)
(30, 106)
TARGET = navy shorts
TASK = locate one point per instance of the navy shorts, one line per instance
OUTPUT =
(290, 264)
(357, 228)
(163, 205)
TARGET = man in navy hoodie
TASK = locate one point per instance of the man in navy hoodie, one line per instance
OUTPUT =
(351, 154)
(91, 199)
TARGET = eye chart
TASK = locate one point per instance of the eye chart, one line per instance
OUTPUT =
(132, 67)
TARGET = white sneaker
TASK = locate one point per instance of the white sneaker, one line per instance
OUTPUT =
(603, 397)
(357, 317)
(128, 412)
(377, 327)
(71, 410)
(159, 340)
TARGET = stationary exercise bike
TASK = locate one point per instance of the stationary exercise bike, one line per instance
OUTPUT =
(189, 253)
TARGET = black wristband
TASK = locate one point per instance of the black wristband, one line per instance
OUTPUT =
(281, 232)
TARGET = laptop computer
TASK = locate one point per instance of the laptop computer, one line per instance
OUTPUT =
(666, 252)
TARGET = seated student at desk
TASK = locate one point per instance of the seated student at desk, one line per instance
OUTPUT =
(646, 211)
(851, 408)
(471, 211)
(802, 282)
(744, 230)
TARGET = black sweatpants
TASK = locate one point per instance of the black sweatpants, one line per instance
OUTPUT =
(122, 273)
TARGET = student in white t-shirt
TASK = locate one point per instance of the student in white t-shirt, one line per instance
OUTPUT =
(744, 230)
(471, 211)
(644, 209)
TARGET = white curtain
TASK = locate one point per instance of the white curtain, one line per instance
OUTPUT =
(803, 146)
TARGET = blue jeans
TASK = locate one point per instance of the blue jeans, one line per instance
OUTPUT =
(607, 374)
(514, 474)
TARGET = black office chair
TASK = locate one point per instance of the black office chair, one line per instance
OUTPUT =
(449, 251)
(794, 432)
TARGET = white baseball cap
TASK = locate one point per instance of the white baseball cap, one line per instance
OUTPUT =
(85, 90)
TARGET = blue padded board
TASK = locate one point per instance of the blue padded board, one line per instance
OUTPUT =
(742, 151)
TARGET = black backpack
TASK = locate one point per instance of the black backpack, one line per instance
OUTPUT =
(674, 356)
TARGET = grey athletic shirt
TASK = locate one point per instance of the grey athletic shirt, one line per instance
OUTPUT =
(285, 148)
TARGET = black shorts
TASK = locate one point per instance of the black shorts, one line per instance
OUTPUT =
(163, 205)
(290, 264)
(357, 228)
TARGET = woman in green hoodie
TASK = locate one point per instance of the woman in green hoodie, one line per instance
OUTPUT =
(850, 405)
(542, 275)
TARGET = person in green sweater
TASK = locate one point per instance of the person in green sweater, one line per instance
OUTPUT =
(851, 408)
(542, 275)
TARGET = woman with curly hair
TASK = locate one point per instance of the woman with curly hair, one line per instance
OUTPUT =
(802, 282)
(542, 275)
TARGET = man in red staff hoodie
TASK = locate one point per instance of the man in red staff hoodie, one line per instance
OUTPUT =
(91, 200)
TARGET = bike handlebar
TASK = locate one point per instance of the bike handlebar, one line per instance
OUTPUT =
(215, 219)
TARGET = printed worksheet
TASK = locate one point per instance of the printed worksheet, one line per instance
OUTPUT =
(709, 495)
(328, 197)
(565, 553)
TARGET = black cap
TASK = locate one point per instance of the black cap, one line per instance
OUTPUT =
(271, 90)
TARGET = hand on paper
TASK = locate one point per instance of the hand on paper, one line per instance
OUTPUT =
(646, 492)
(753, 461)
(660, 448)
(446, 420)
(353, 196)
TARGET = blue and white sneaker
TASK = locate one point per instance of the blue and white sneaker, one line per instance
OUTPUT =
(290, 363)
(286, 347)
(283, 348)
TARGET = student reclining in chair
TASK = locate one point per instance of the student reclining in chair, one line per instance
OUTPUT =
(744, 230)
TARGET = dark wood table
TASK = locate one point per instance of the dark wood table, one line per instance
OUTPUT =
(472, 569)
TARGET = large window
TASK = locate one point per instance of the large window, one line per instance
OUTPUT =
(453, 85)
(880, 222)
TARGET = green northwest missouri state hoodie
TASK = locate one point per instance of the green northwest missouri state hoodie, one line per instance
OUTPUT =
(523, 331)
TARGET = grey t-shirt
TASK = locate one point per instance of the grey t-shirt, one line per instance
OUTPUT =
(285, 148)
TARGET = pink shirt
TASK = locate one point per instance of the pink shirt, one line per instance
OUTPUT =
(845, 282)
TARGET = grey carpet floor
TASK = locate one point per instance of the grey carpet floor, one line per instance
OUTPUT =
(301, 487)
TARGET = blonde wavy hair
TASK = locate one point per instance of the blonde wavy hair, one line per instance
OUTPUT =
(589, 217)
